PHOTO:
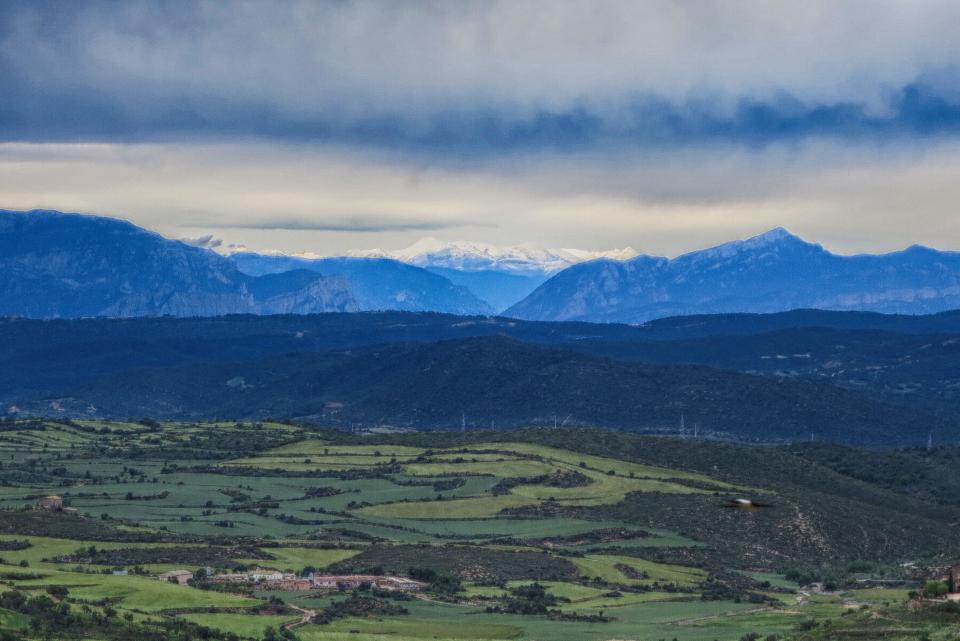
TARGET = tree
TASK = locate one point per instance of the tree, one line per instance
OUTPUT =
(58, 591)
(934, 589)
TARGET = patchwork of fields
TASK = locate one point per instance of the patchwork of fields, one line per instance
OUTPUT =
(484, 521)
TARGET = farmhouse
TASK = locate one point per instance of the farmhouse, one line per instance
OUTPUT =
(52, 503)
(953, 580)
(288, 584)
(400, 584)
(229, 578)
(265, 574)
(351, 581)
(178, 576)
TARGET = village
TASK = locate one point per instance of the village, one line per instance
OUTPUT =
(266, 578)
(273, 579)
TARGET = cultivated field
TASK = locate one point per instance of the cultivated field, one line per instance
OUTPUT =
(517, 540)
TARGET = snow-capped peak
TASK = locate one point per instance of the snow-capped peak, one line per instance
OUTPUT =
(476, 256)
(775, 235)
(766, 241)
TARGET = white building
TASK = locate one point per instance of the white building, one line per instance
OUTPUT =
(180, 576)
(265, 574)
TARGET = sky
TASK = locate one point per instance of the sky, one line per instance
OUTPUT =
(329, 126)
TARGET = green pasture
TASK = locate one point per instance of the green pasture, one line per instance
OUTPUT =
(13, 620)
(605, 567)
(880, 595)
(296, 558)
(146, 594)
(42, 547)
(245, 625)
(776, 580)
(468, 508)
(684, 620)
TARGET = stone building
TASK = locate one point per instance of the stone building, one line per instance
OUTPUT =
(52, 503)
(179, 576)
(288, 584)
(353, 581)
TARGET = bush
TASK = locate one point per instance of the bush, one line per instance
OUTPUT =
(935, 589)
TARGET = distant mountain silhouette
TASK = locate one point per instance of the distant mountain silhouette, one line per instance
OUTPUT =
(773, 272)
(499, 275)
(498, 288)
(376, 283)
(56, 265)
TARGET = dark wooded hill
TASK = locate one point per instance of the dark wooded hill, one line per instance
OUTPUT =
(859, 378)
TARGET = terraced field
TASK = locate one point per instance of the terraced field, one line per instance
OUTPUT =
(486, 520)
(605, 480)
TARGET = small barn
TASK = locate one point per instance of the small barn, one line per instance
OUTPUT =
(288, 584)
(178, 576)
(400, 584)
(52, 503)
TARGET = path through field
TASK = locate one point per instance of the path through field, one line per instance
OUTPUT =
(305, 618)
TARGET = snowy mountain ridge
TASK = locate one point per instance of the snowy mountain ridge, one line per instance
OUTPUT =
(772, 272)
(527, 258)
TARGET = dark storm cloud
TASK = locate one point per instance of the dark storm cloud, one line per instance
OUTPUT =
(27, 115)
(663, 124)
(474, 78)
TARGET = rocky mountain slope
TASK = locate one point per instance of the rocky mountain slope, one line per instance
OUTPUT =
(773, 272)
(56, 265)
(499, 275)
(376, 283)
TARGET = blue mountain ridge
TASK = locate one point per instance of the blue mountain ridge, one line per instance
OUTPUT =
(773, 272)
(56, 265)
(376, 283)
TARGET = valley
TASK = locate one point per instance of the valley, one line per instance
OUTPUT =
(328, 320)
(559, 534)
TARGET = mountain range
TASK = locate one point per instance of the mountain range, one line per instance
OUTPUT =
(55, 265)
(772, 272)
(376, 283)
(464, 256)
(501, 276)
(71, 265)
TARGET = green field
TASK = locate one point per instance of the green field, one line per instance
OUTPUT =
(144, 594)
(488, 518)
(606, 567)
(245, 625)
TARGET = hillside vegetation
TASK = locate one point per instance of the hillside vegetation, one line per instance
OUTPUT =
(854, 378)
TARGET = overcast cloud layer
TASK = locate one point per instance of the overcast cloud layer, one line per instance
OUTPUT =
(325, 126)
